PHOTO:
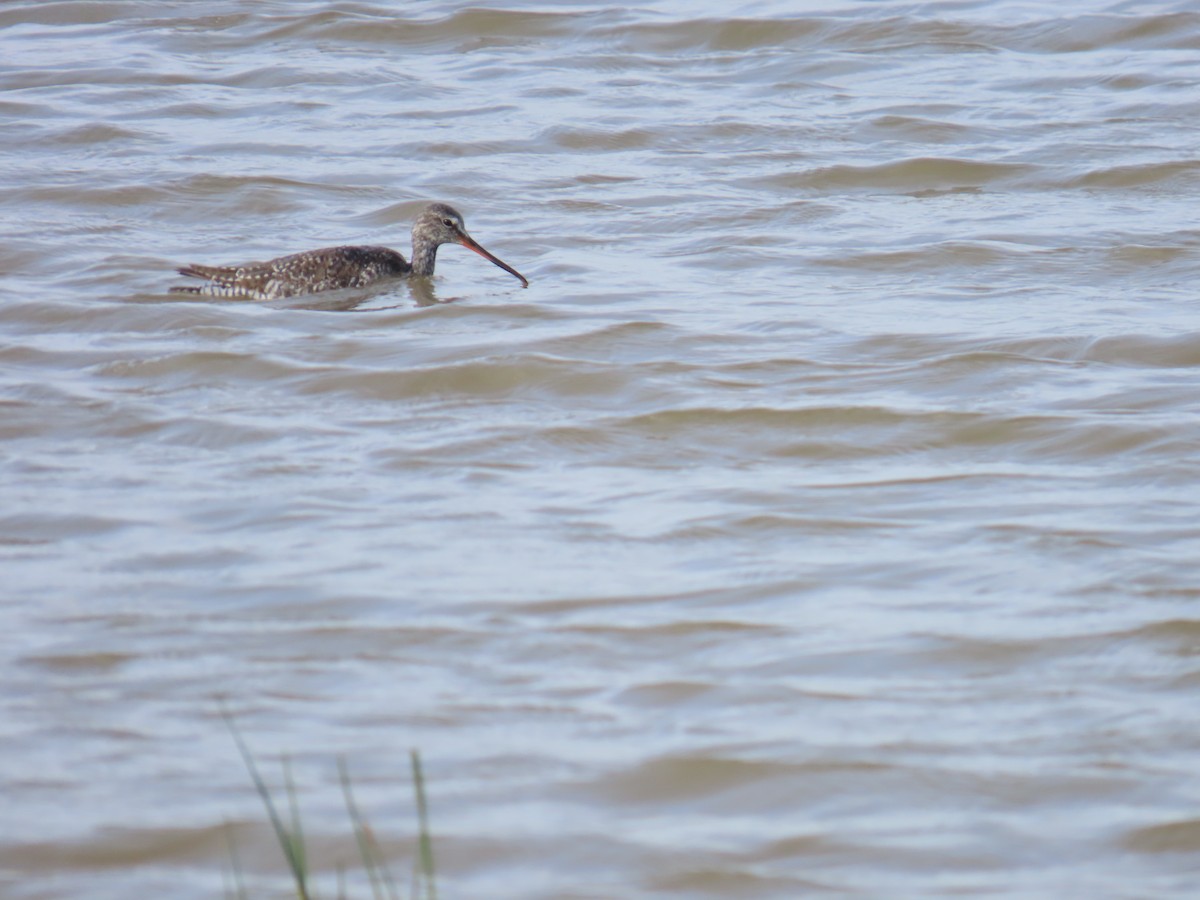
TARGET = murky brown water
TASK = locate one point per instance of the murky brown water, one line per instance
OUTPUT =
(823, 519)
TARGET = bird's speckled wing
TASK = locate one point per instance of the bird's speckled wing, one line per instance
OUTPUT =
(330, 269)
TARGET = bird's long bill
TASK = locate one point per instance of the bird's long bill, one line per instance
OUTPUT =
(470, 243)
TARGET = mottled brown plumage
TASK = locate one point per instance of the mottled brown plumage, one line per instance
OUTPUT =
(337, 268)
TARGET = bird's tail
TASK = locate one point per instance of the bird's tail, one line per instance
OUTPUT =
(191, 272)
(209, 273)
(221, 281)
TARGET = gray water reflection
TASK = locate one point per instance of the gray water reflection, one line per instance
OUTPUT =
(820, 520)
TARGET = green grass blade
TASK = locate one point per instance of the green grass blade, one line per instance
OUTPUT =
(368, 848)
(287, 843)
(428, 874)
(235, 864)
(297, 833)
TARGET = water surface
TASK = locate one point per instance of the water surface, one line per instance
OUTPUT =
(821, 520)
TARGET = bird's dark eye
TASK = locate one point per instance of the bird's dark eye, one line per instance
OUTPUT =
(449, 223)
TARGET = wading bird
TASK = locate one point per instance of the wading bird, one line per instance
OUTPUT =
(337, 268)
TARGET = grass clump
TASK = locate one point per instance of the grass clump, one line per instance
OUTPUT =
(289, 833)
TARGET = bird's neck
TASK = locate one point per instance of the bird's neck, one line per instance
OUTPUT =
(424, 255)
